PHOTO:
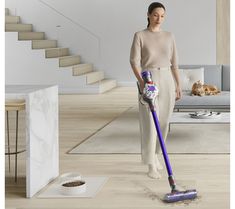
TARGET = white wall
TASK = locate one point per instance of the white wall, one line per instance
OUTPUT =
(110, 25)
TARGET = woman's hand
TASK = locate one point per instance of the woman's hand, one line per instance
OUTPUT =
(178, 93)
(141, 82)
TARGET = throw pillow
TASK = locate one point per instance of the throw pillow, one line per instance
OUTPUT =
(189, 76)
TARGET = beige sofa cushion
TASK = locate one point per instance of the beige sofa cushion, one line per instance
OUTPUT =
(189, 76)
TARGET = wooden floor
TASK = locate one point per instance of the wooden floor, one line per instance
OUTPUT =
(128, 186)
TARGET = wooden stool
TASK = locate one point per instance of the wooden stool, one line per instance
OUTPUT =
(13, 105)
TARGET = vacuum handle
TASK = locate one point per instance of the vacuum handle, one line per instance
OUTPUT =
(162, 143)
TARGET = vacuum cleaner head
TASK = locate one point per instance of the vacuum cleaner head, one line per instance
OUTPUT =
(180, 196)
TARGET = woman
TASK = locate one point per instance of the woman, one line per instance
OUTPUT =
(155, 50)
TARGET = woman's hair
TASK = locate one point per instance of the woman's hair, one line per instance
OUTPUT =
(153, 6)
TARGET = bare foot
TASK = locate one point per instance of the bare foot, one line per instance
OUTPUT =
(158, 164)
(153, 173)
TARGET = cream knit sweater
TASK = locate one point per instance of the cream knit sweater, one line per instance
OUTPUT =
(153, 49)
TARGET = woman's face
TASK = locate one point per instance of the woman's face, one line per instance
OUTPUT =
(157, 16)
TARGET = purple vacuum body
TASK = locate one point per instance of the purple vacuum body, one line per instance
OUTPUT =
(150, 93)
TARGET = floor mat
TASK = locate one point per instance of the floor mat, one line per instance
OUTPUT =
(122, 135)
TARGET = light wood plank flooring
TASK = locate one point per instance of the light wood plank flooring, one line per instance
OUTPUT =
(128, 186)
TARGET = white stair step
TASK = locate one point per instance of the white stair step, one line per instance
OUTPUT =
(82, 69)
(106, 85)
(43, 44)
(56, 52)
(11, 27)
(7, 12)
(31, 35)
(94, 77)
(69, 60)
(12, 19)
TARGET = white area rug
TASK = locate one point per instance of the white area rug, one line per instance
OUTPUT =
(123, 136)
(93, 186)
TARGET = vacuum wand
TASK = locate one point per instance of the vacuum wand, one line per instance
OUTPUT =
(149, 95)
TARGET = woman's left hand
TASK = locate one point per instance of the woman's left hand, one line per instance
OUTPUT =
(178, 93)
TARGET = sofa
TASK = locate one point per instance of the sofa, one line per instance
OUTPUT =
(218, 75)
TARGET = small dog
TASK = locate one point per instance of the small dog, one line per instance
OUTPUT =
(200, 89)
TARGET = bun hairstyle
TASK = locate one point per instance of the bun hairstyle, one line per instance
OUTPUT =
(153, 6)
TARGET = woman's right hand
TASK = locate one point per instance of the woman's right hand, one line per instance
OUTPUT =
(141, 82)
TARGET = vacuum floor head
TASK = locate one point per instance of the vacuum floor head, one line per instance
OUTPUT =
(180, 196)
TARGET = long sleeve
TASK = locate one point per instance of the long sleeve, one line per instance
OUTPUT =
(135, 54)
(174, 57)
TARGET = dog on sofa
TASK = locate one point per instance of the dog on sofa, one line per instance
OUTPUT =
(200, 89)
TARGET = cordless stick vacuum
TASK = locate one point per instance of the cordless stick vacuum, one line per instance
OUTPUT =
(150, 93)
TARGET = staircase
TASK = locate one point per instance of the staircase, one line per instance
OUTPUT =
(93, 78)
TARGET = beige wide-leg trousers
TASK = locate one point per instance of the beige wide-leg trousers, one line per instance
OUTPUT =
(164, 104)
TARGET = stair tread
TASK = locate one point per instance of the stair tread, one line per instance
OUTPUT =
(30, 32)
(69, 56)
(43, 40)
(106, 80)
(18, 27)
(35, 40)
(30, 39)
(30, 35)
(12, 19)
(56, 48)
(82, 64)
